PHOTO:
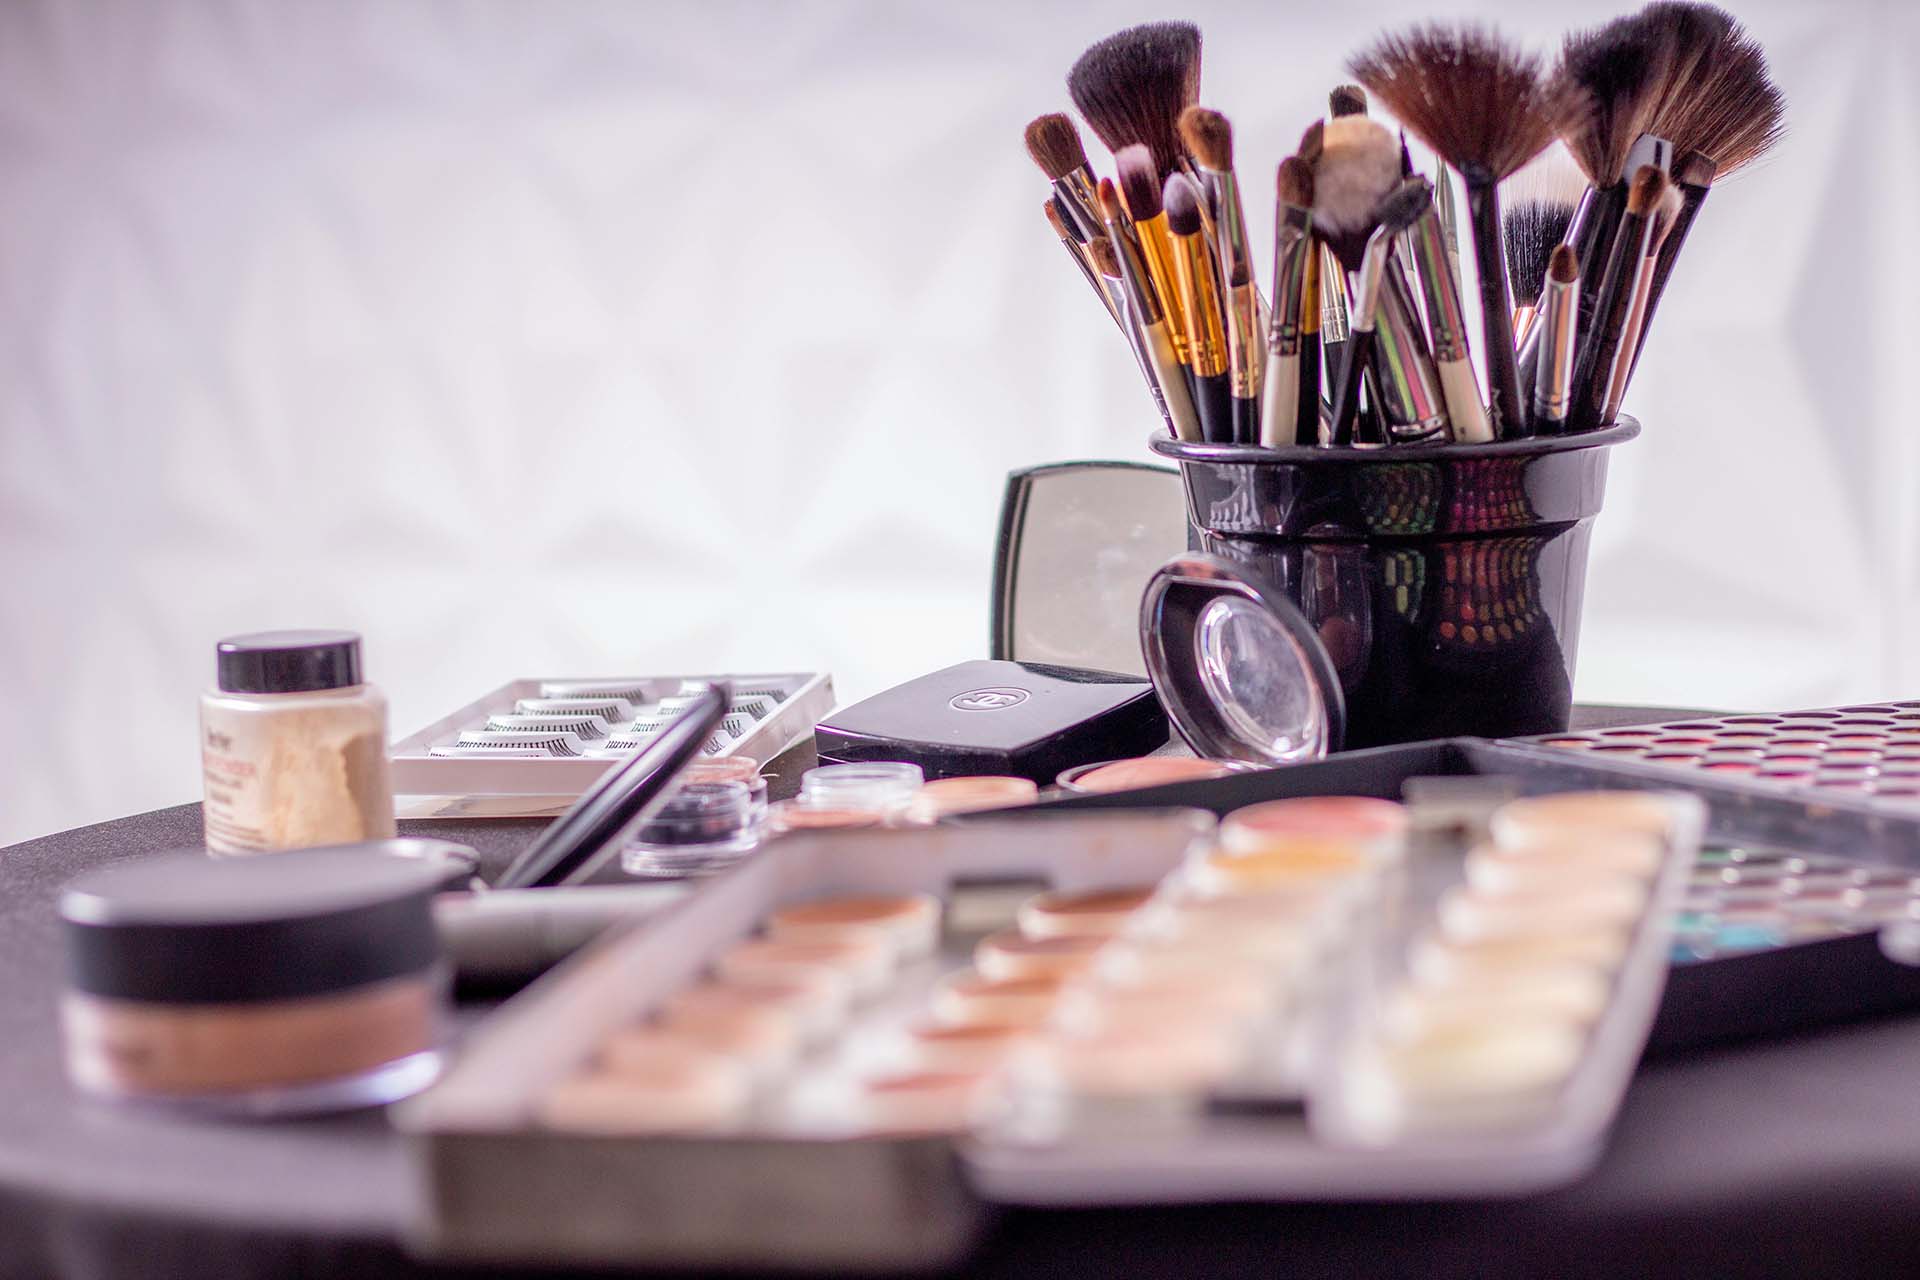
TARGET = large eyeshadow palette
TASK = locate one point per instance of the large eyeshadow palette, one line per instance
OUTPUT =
(1742, 899)
(538, 742)
(1314, 999)
(1871, 750)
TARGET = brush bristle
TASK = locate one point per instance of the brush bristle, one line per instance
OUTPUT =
(1139, 182)
(1133, 85)
(1532, 229)
(1359, 164)
(1695, 170)
(1404, 205)
(1183, 206)
(1478, 101)
(1347, 100)
(1105, 260)
(1563, 264)
(1054, 220)
(1209, 137)
(1055, 145)
(1666, 211)
(1551, 176)
(1312, 140)
(1644, 192)
(1605, 90)
(1295, 183)
(1720, 100)
(1108, 195)
(1067, 220)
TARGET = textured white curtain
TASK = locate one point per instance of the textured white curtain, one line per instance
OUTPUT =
(570, 337)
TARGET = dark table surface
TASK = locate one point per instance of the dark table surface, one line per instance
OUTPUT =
(1797, 1156)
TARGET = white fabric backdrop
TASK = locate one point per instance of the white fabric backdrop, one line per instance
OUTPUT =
(611, 337)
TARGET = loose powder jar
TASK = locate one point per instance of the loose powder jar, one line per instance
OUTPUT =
(309, 981)
(293, 745)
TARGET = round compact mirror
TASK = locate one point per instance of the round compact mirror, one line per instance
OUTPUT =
(1241, 672)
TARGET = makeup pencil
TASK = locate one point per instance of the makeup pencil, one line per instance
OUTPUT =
(1055, 146)
(1199, 291)
(1132, 86)
(1558, 330)
(1148, 313)
(1287, 415)
(1209, 139)
(1483, 107)
(1596, 350)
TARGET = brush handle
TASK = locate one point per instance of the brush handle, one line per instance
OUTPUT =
(1279, 399)
(1595, 218)
(1173, 381)
(1246, 419)
(1356, 353)
(1462, 395)
(1691, 198)
(1594, 357)
(1137, 339)
(1309, 408)
(1506, 412)
(1213, 398)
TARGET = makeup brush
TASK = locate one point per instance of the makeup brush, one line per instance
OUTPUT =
(1141, 190)
(1290, 396)
(1106, 260)
(1595, 353)
(1209, 139)
(1558, 329)
(1077, 251)
(1055, 146)
(1199, 290)
(1357, 165)
(1347, 100)
(1483, 107)
(1733, 116)
(1446, 321)
(1390, 217)
(1664, 216)
(1133, 85)
(1411, 399)
(1144, 308)
(1533, 229)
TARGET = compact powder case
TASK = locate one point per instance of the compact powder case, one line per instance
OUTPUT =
(1015, 719)
(297, 982)
(1241, 671)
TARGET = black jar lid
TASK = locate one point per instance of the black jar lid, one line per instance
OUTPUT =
(1242, 673)
(185, 928)
(289, 662)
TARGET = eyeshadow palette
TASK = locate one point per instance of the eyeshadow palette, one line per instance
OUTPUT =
(1871, 750)
(534, 745)
(838, 1053)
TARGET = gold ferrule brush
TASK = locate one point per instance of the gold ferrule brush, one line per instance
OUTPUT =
(1555, 334)
(1144, 307)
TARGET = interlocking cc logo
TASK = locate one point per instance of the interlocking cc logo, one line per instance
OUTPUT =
(995, 699)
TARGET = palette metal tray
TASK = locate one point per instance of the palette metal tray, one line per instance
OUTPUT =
(500, 1188)
(788, 705)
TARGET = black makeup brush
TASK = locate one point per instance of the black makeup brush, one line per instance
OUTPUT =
(1483, 107)
(1347, 100)
(1559, 331)
(1199, 289)
(1133, 85)
(1055, 146)
(1722, 119)
(1291, 392)
(1533, 226)
(1597, 348)
(1209, 139)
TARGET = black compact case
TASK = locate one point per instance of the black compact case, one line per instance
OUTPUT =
(1021, 719)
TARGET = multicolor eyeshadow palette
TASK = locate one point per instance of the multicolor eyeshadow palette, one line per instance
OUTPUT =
(1870, 751)
(1741, 900)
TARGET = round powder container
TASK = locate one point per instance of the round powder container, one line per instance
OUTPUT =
(1146, 771)
(308, 981)
(1098, 914)
(885, 787)
(970, 795)
(911, 922)
(1297, 862)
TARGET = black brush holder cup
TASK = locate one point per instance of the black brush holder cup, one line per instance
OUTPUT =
(1443, 583)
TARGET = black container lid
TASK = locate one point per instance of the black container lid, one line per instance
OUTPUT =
(1241, 671)
(185, 928)
(288, 662)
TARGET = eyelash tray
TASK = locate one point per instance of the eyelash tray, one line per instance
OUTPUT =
(535, 744)
(866, 1037)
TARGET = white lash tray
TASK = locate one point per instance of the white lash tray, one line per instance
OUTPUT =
(509, 777)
